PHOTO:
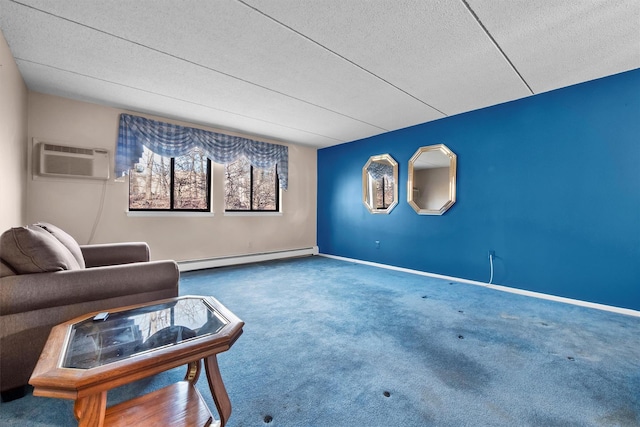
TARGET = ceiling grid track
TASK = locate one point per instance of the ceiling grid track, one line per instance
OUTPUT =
(495, 43)
(199, 65)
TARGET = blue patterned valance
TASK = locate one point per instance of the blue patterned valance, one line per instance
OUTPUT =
(171, 140)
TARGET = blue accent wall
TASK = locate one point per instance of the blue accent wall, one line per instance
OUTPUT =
(551, 183)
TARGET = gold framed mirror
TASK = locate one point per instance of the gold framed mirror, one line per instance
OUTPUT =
(431, 186)
(380, 184)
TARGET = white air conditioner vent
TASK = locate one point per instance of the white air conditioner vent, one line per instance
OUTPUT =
(73, 162)
(63, 149)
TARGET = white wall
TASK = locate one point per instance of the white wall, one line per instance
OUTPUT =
(13, 137)
(74, 204)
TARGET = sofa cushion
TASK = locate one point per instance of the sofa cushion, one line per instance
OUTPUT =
(32, 249)
(6, 270)
(66, 239)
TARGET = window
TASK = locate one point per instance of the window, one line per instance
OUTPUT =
(249, 189)
(171, 184)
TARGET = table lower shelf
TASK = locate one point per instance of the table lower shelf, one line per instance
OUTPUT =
(179, 404)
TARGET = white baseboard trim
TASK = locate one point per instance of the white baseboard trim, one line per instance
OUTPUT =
(244, 259)
(540, 295)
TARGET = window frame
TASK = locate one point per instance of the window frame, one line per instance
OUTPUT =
(251, 186)
(172, 209)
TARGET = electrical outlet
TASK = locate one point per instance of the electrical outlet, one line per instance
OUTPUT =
(492, 254)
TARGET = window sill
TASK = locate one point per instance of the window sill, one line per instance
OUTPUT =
(167, 214)
(253, 213)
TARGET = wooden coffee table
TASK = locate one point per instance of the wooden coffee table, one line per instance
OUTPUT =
(84, 358)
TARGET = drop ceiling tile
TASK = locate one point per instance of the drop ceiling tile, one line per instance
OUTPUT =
(127, 98)
(237, 41)
(70, 47)
(564, 42)
(434, 50)
(320, 72)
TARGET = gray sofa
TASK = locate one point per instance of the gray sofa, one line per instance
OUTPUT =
(46, 278)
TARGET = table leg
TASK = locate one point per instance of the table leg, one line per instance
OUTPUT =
(218, 391)
(90, 410)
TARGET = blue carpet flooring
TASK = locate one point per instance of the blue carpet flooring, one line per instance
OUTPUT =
(334, 343)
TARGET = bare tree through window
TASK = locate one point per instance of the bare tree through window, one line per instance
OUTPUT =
(164, 183)
(248, 188)
(191, 181)
(383, 192)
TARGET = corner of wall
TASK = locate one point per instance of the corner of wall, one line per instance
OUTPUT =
(13, 140)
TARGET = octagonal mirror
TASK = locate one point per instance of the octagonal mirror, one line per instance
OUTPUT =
(432, 180)
(380, 184)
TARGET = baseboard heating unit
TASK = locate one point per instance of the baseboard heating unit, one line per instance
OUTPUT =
(244, 259)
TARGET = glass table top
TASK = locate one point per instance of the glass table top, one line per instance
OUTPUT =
(125, 334)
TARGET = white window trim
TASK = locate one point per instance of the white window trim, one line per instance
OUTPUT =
(253, 213)
(173, 213)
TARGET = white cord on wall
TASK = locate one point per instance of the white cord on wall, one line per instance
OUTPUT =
(99, 214)
(491, 265)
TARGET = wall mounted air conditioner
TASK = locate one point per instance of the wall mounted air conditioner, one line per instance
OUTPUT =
(72, 162)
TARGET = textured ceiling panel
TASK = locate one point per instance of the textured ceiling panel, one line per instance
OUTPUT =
(434, 50)
(563, 42)
(315, 72)
(67, 46)
(234, 40)
(96, 91)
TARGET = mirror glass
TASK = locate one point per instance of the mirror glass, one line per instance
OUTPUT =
(432, 180)
(380, 184)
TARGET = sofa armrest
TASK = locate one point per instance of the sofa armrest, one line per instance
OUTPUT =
(28, 292)
(114, 253)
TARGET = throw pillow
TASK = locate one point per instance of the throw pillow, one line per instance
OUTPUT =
(66, 239)
(31, 249)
